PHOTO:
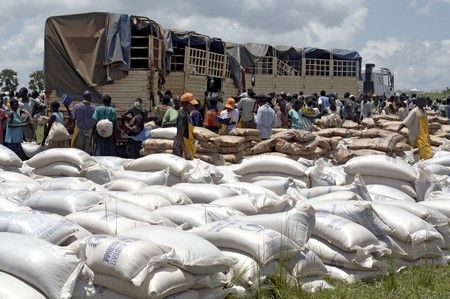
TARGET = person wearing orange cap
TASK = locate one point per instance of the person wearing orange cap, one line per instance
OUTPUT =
(183, 144)
(230, 113)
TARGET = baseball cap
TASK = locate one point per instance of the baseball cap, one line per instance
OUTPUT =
(188, 98)
(229, 103)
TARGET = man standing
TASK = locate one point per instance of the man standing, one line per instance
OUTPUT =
(324, 101)
(82, 135)
(265, 118)
(183, 144)
(417, 124)
(247, 106)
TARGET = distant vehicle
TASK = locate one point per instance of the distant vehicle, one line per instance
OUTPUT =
(379, 81)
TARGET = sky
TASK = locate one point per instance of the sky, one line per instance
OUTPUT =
(410, 37)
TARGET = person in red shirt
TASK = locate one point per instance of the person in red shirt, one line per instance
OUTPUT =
(210, 117)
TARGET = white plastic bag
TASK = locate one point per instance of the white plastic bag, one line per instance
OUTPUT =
(105, 128)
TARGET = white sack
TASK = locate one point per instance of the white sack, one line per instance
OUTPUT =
(104, 128)
(131, 211)
(332, 255)
(63, 202)
(11, 286)
(125, 184)
(270, 163)
(279, 187)
(12, 205)
(101, 222)
(174, 196)
(188, 251)
(407, 251)
(347, 235)
(263, 244)
(49, 227)
(247, 271)
(149, 178)
(8, 157)
(252, 204)
(111, 163)
(381, 165)
(145, 200)
(159, 284)
(157, 162)
(360, 212)
(97, 174)
(406, 226)
(68, 183)
(196, 215)
(30, 149)
(49, 268)
(297, 224)
(388, 191)
(306, 264)
(68, 155)
(58, 169)
(244, 188)
(352, 276)
(441, 205)
(125, 258)
(204, 193)
(164, 133)
(401, 185)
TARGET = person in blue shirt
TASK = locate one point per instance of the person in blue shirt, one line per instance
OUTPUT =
(324, 101)
(196, 116)
(14, 133)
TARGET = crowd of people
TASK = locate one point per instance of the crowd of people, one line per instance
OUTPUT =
(88, 123)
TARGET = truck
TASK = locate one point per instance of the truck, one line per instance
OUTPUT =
(131, 57)
(379, 81)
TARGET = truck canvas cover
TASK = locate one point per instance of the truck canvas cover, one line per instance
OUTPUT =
(85, 50)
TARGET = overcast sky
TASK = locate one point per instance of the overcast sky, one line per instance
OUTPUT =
(411, 37)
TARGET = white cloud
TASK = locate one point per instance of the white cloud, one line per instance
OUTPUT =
(416, 64)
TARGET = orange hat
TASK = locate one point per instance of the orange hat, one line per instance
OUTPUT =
(188, 98)
(229, 103)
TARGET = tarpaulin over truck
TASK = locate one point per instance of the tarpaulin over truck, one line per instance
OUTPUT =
(85, 50)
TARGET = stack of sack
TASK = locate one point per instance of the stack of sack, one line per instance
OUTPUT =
(270, 244)
(272, 172)
(385, 177)
(207, 146)
(232, 148)
(292, 143)
(157, 262)
(67, 162)
(252, 137)
(161, 141)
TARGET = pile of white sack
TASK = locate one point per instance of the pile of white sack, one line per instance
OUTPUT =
(76, 226)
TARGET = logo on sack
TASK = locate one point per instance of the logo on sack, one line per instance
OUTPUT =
(252, 227)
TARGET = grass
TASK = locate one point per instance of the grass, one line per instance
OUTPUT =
(417, 282)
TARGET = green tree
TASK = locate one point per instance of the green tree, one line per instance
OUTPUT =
(36, 81)
(8, 80)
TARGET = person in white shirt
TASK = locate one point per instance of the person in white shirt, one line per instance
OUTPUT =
(324, 101)
(246, 105)
(230, 112)
(266, 119)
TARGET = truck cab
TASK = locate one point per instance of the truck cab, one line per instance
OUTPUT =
(379, 81)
